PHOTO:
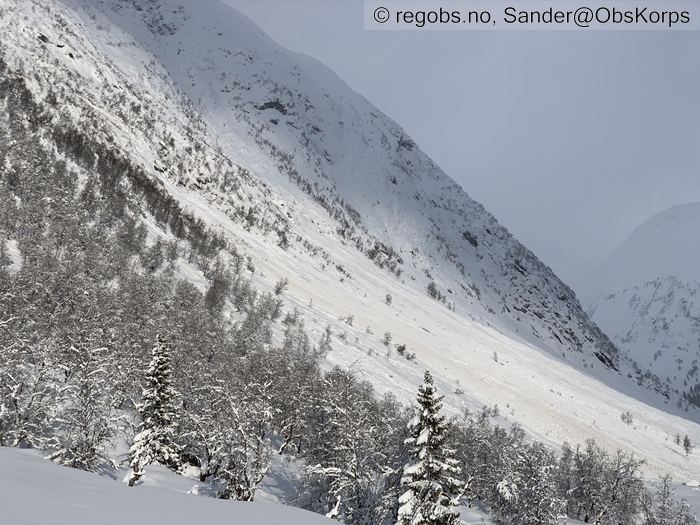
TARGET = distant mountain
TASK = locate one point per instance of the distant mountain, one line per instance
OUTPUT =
(646, 297)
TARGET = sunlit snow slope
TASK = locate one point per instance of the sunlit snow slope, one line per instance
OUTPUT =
(315, 185)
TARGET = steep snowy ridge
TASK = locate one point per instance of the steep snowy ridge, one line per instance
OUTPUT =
(646, 296)
(315, 185)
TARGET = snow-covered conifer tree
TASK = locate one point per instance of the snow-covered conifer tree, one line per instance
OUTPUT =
(431, 488)
(155, 441)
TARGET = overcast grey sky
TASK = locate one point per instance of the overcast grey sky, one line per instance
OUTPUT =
(570, 138)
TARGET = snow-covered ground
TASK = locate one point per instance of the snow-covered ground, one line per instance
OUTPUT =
(34, 491)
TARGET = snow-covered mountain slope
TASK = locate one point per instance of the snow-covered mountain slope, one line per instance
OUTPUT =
(315, 185)
(34, 491)
(646, 296)
(348, 175)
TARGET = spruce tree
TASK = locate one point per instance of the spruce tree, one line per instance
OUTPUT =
(428, 479)
(155, 442)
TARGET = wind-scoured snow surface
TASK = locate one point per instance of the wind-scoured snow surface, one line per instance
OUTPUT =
(34, 491)
(646, 296)
(315, 185)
